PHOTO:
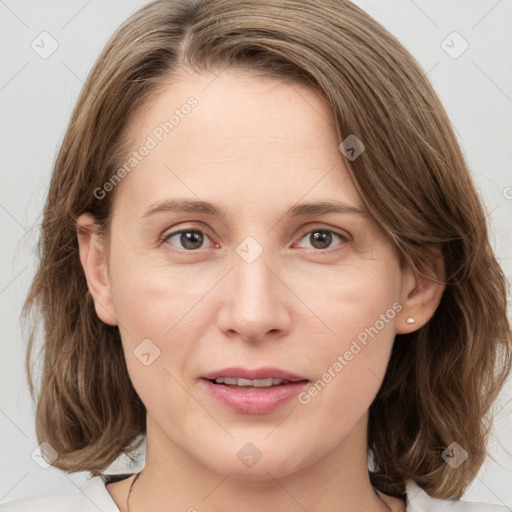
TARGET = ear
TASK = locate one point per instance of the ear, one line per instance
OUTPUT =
(422, 291)
(94, 263)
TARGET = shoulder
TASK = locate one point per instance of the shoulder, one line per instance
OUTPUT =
(92, 497)
(419, 501)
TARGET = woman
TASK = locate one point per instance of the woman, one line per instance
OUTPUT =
(262, 250)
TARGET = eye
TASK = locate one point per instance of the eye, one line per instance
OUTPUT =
(189, 239)
(322, 238)
(193, 239)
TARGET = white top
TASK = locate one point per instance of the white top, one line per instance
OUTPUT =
(94, 497)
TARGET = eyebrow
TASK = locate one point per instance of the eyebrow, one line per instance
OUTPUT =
(206, 208)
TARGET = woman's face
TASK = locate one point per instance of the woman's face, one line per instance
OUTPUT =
(249, 278)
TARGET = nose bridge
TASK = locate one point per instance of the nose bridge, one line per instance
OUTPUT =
(253, 280)
(254, 304)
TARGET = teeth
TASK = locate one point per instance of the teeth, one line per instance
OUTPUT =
(257, 383)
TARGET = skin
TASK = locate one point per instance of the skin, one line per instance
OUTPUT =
(255, 147)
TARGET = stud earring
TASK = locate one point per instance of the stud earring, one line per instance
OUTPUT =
(410, 320)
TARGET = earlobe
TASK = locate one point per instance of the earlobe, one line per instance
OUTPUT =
(94, 264)
(422, 292)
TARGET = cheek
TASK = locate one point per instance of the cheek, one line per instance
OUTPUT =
(359, 304)
(157, 334)
(154, 306)
(351, 297)
(152, 295)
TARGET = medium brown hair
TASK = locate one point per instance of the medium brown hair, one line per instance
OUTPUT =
(441, 380)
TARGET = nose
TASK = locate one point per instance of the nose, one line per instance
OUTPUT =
(256, 303)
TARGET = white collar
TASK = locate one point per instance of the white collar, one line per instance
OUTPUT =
(417, 500)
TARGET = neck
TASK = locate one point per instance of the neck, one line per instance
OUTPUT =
(173, 480)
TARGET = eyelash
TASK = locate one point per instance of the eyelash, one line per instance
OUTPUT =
(343, 237)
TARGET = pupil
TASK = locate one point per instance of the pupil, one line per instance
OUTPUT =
(324, 238)
(191, 239)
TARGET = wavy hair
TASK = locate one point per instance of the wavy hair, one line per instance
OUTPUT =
(441, 380)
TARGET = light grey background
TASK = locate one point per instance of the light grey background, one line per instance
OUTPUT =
(37, 95)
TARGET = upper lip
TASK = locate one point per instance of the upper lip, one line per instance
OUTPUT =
(254, 374)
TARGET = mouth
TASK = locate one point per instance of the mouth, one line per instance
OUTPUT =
(237, 383)
(253, 378)
(257, 391)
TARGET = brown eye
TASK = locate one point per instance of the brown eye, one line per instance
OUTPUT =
(322, 238)
(189, 239)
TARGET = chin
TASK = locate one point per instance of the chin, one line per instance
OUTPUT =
(250, 465)
(260, 472)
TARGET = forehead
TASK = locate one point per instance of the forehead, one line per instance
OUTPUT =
(231, 133)
(235, 107)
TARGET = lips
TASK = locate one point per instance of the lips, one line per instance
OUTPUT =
(254, 374)
(257, 391)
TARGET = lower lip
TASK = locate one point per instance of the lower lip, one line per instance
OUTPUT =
(254, 401)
